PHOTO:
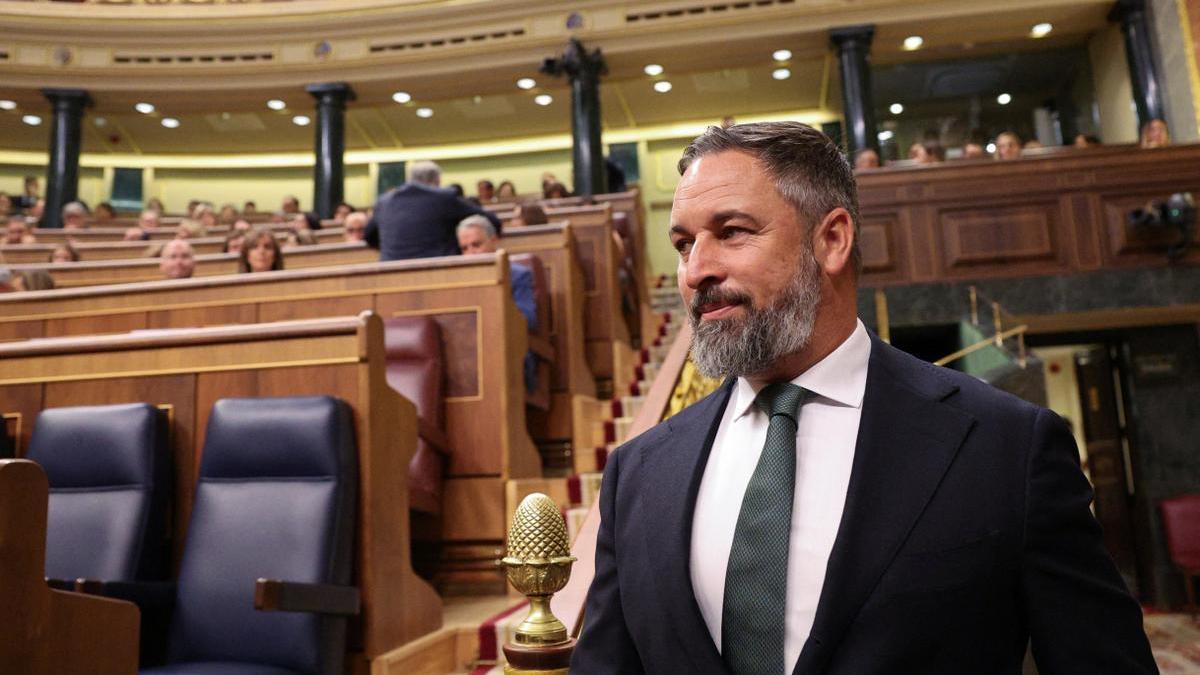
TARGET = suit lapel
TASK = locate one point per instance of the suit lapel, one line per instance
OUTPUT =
(907, 440)
(677, 466)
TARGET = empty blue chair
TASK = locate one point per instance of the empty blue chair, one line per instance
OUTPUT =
(275, 499)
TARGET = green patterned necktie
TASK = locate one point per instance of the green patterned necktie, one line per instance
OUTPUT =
(753, 616)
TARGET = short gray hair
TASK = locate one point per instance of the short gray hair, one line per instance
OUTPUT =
(808, 168)
(74, 209)
(479, 221)
(425, 172)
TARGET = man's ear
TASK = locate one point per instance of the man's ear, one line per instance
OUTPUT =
(833, 242)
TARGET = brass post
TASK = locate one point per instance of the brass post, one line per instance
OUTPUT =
(996, 324)
(1021, 361)
(974, 306)
(881, 316)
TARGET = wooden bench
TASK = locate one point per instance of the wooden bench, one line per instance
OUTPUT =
(72, 275)
(185, 371)
(102, 250)
(47, 632)
(163, 232)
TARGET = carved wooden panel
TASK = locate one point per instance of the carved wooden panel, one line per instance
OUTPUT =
(460, 337)
(880, 241)
(1020, 234)
(1127, 243)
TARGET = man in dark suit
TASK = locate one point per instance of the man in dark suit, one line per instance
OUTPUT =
(837, 506)
(417, 219)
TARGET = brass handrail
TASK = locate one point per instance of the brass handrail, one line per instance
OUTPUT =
(996, 340)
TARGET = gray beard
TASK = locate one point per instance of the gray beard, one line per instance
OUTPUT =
(741, 347)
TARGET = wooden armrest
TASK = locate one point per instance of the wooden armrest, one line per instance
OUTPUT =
(542, 348)
(60, 584)
(433, 436)
(144, 594)
(272, 595)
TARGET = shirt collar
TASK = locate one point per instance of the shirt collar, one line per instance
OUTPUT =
(840, 377)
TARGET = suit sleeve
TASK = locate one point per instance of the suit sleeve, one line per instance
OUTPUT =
(605, 645)
(1081, 616)
(371, 234)
(523, 295)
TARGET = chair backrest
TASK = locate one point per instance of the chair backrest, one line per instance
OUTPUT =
(109, 473)
(1181, 520)
(275, 498)
(416, 370)
(541, 289)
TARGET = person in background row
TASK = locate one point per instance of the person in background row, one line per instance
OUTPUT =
(228, 214)
(234, 242)
(31, 194)
(249, 208)
(189, 229)
(135, 234)
(301, 237)
(17, 231)
(457, 189)
(241, 225)
(506, 191)
(279, 218)
(104, 212)
(1155, 134)
(6, 204)
(304, 221)
(206, 216)
(1086, 141)
(866, 158)
(919, 154)
(1008, 146)
(33, 280)
(7, 283)
(260, 253)
(149, 219)
(341, 211)
(74, 216)
(290, 205)
(554, 190)
(155, 204)
(529, 214)
(355, 226)
(191, 207)
(177, 260)
(64, 253)
(485, 191)
(974, 150)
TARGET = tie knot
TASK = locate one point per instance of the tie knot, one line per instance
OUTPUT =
(780, 398)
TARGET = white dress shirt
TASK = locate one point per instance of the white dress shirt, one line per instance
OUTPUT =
(825, 439)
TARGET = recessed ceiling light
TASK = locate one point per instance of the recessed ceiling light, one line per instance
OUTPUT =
(526, 83)
(144, 108)
(100, 121)
(1004, 99)
(662, 86)
(402, 97)
(301, 120)
(653, 70)
(896, 108)
(885, 135)
(781, 73)
(425, 113)
(782, 54)
(8, 105)
(913, 42)
(543, 99)
(1041, 30)
(170, 122)
(991, 147)
(31, 120)
(276, 104)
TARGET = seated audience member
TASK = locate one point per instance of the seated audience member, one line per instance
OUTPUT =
(973, 150)
(1086, 141)
(341, 211)
(7, 280)
(155, 204)
(249, 208)
(485, 191)
(1155, 134)
(6, 204)
(290, 205)
(33, 280)
(354, 228)
(228, 214)
(234, 242)
(417, 219)
(1008, 146)
(149, 219)
(189, 229)
(260, 253)
(17, 231)
(302, 237)
(279, 218)
(206, 216)
(74, 216)
(241, 225)
(554, 190)
(506, 191)
(919, 154)
(135, 234)
(1032, 144)
(304, 221)
(529, 214)
(64, 253)
(177, 259)
(866, 158)
(191, 207)
(457, 189)
(104, 212)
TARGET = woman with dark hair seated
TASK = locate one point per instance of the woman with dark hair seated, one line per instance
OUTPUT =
(528, 214)
(64, 252)
(234, 242)
(260, 253)
(554, 190)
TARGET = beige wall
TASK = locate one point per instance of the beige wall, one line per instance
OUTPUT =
(1114, 93)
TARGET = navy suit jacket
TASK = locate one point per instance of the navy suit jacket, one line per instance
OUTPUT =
(966, 533)
(418, 221)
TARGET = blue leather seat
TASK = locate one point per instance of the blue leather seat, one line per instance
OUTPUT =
(275, 498)
(109, 473)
